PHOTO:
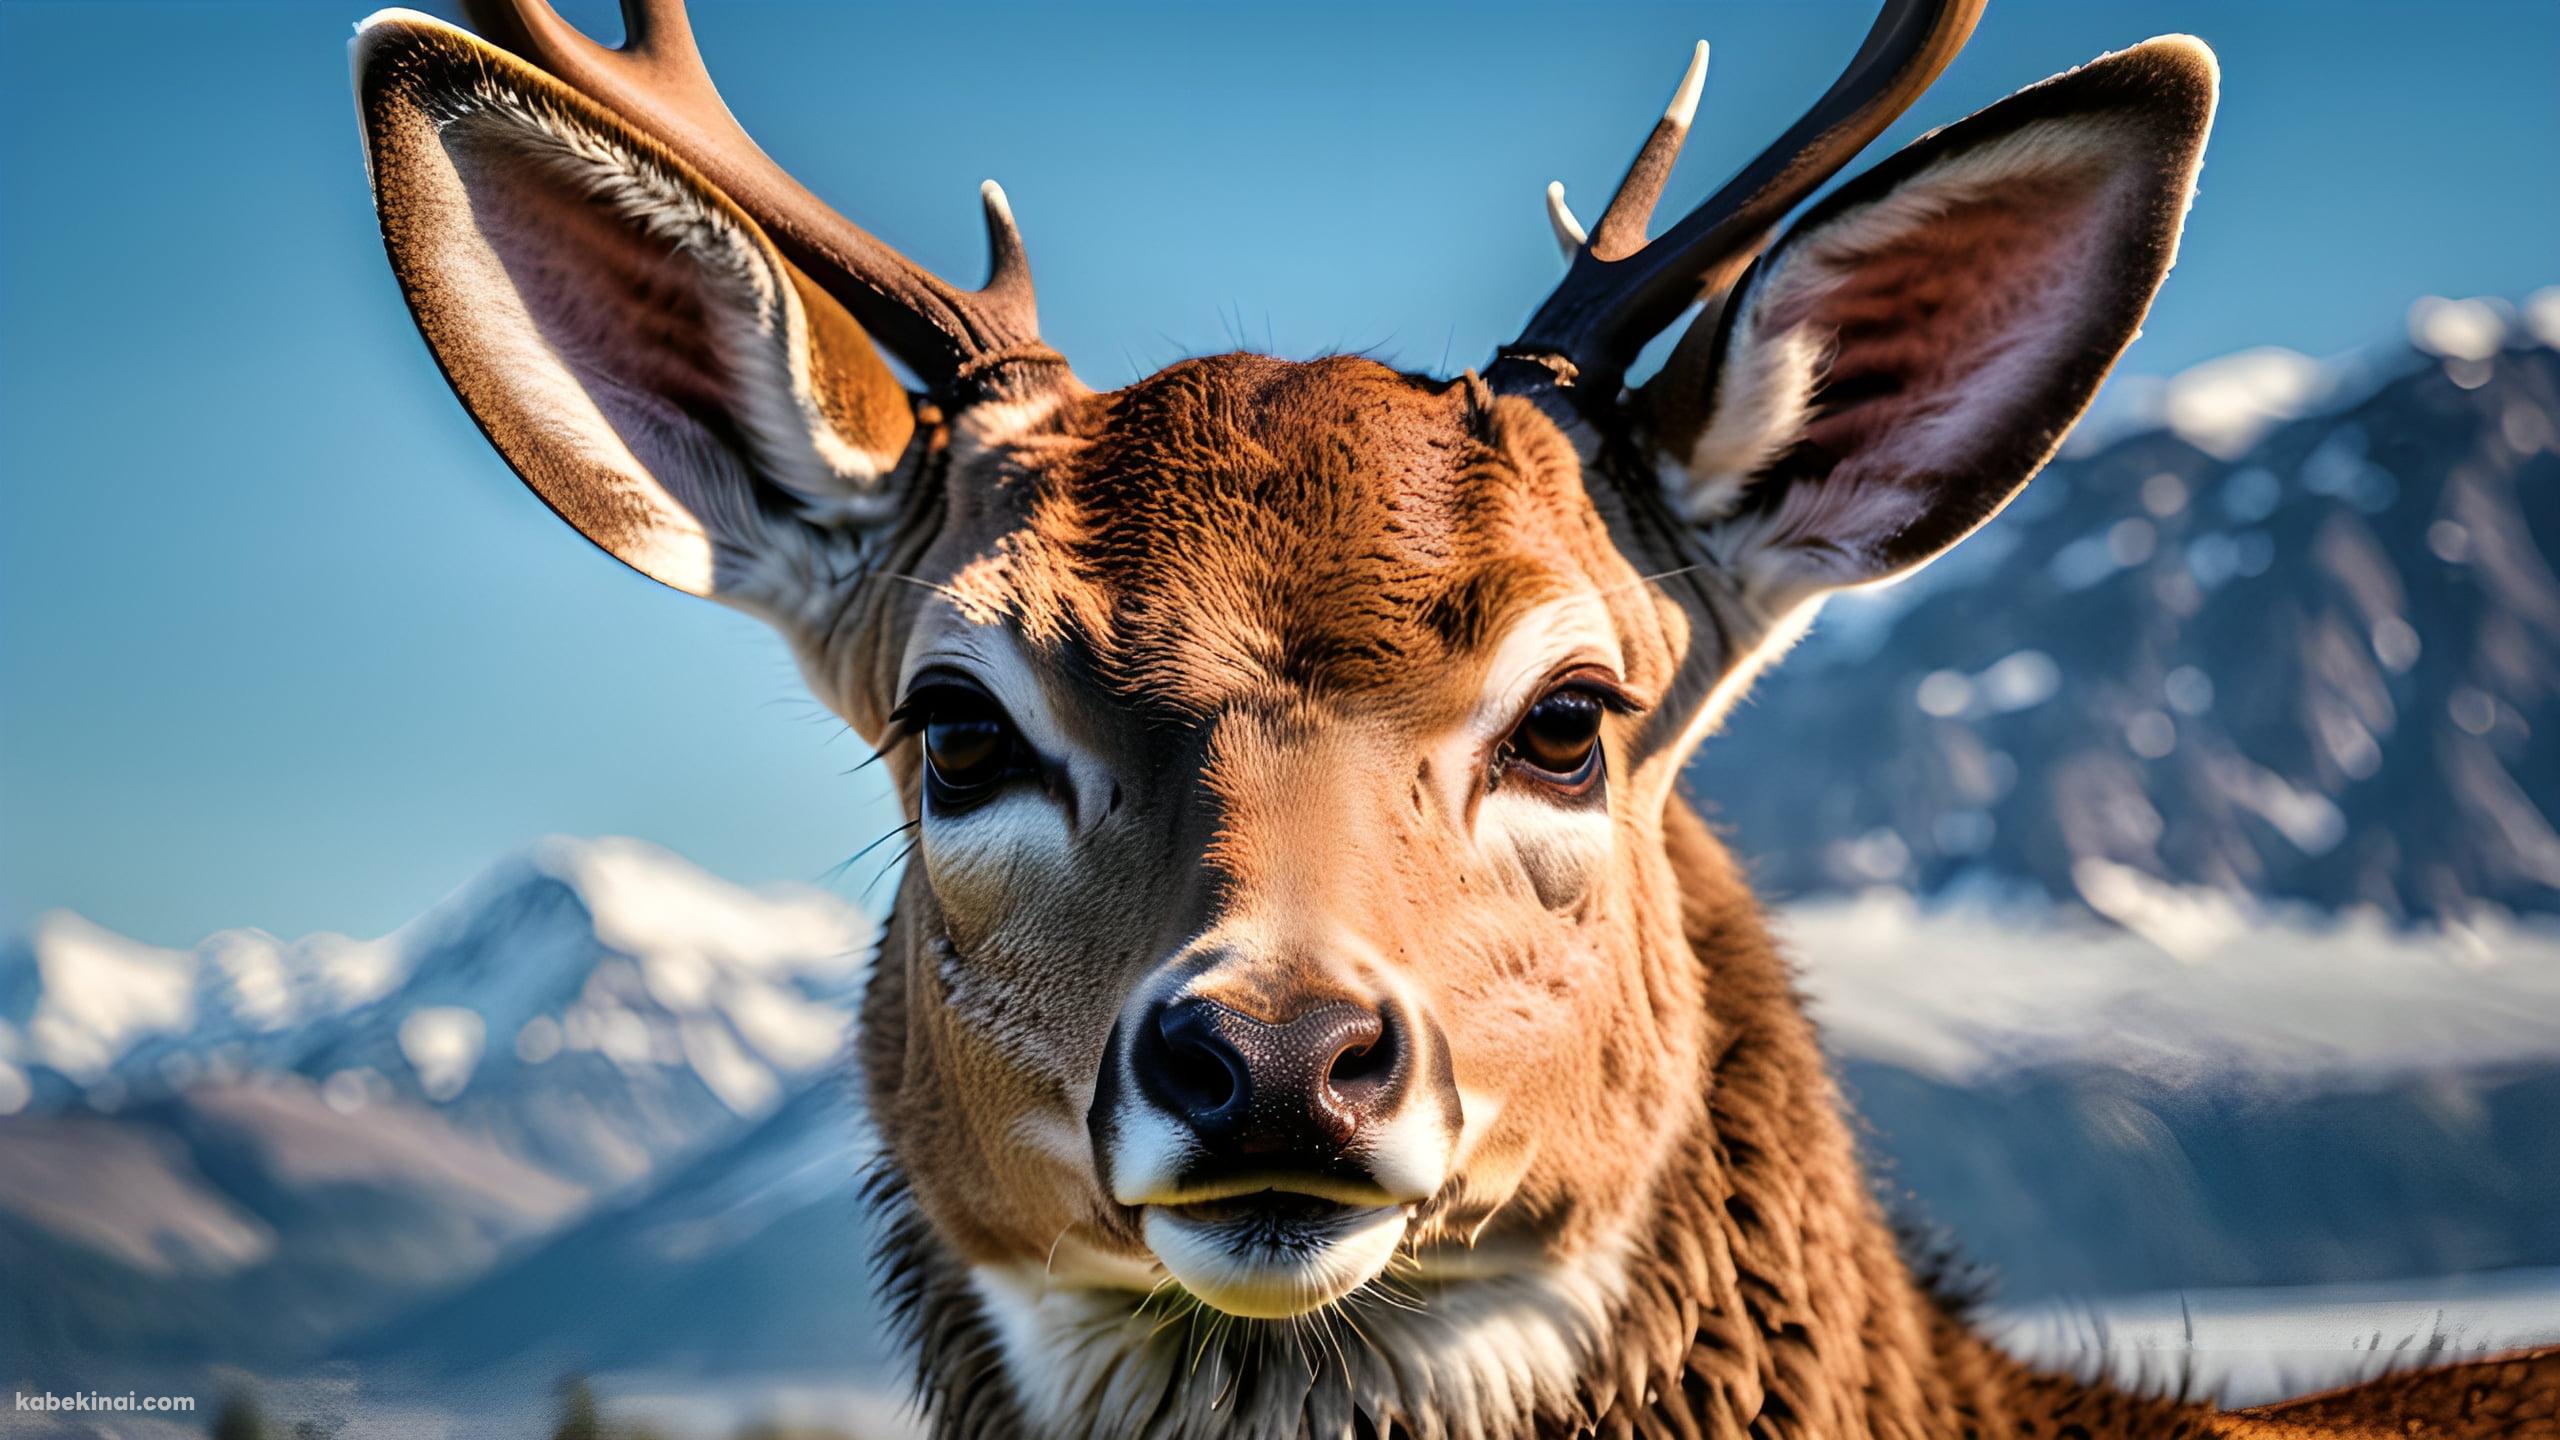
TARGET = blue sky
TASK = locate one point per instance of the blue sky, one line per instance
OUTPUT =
(282, 644)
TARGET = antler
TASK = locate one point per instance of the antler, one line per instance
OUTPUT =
(1620, 290)
(657, 81)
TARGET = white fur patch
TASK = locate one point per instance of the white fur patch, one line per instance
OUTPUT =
(1555, 635)
(1561, 848)
(993, 424)
(1148, 1151)
(1557, 846)
(989, 862)
(1471, 1344)
(1764, 399)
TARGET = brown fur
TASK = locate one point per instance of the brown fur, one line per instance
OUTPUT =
(1767, 1295)
(1257, 613)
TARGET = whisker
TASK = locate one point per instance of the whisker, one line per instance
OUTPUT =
(1235, 1371)
(833, 872)
(1048, 1267)
(1175, 1310)
(1658, 578)
(934, 586)
(1333, 1337)
(894, 862)
(1353, 1321)
(1199, 1341)
(1402, 1299)
(1298, 1338)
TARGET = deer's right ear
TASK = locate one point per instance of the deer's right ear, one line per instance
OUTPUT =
(626, 336)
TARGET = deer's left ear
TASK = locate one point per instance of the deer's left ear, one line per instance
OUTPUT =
(1904, 358)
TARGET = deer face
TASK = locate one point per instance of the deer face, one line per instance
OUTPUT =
(1286, 780)
(1289, 743)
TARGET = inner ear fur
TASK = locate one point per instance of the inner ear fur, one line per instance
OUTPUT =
(626, 337)
(1898, 365)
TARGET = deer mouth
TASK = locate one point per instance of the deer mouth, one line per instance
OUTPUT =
(1273, 1254)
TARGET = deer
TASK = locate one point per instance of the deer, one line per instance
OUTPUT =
(1313, 1006)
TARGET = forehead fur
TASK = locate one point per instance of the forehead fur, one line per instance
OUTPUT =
(1238, 527)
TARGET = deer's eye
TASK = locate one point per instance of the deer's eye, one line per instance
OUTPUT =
(969, 746)
(1558, 741)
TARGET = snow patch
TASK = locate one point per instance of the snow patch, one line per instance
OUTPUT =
(2224, 406)
(443, 1044)
(348, 1091)
(648, 901)
(789, 1031)
(2474, 329)
(253, 971)
(2245, 998)
(2542, 315)
(538, 1041)
(2183, 922)
(2020, 680)
(103, 993)
(352, 972)
(743, 1085)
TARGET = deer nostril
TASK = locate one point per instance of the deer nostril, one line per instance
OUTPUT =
(1201, 1079)
(1192, 1068)
(1362, 1076)
(1359, 1063)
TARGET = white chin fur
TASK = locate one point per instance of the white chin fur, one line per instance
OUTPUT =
(1226, 1265)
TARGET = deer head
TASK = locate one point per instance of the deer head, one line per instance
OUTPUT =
(1291, 743)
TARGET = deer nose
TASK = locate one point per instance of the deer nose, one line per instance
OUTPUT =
(1303, 1088)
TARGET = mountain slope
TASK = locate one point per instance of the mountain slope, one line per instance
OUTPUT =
(755, 1257)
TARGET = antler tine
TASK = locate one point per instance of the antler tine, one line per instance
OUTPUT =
(1570, 237)
(1620, 291)
(1621, 231)
(1008, 264)
(657, 81)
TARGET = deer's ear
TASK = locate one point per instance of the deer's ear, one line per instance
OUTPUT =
(624, 334)
(1904, 358)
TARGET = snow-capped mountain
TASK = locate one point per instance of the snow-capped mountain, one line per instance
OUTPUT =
(279, 1143)
(592, 1005)
(2274, 628)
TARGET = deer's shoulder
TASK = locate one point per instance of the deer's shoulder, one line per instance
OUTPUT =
(2511, 1397)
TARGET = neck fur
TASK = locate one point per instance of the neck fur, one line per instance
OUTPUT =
(1762, 1295)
